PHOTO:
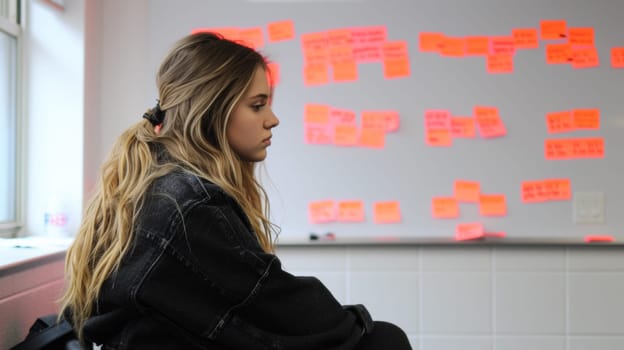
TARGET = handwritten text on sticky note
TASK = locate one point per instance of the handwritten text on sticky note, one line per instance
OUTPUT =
(444, 207)
(322, 211)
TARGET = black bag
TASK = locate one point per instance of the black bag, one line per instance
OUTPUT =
(47, 333)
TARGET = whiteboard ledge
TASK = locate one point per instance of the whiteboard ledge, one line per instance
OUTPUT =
(438, 241)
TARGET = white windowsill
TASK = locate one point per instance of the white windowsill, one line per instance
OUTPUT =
(29, 250)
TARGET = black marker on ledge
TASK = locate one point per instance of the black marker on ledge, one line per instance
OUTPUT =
(329, 236)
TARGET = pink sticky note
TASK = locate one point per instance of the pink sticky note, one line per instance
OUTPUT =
(322, 211)
(437, 119)
(342, 116)
(366, 54)
(467, 231)
(386, 120)
(489, 122)
(367, 43)
(502, 45)
(318, 134)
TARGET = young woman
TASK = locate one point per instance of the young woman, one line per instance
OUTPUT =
(175, 248)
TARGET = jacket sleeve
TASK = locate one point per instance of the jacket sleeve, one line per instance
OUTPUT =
(226, 289)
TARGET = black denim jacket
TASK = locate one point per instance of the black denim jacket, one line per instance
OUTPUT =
(196, 278)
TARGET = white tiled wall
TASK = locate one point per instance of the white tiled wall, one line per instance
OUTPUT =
(480, 298)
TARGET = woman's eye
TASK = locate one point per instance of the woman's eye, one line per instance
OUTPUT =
(258, 107)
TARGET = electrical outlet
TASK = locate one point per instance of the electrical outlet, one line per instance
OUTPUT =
(589, 208)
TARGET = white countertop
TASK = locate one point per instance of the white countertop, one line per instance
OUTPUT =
(15, 251)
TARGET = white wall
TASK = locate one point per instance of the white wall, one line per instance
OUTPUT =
(446, 298)
(480, 298)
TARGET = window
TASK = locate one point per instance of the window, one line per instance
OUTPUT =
(10, 42)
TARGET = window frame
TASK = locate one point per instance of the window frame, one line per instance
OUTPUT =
(12, 25)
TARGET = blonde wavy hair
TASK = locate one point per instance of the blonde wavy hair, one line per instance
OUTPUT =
(199, 81)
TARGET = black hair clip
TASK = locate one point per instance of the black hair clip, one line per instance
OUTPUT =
(155, 115)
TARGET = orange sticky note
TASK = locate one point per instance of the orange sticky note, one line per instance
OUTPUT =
(345, 71)
(556, 149)
(525, 38)
(617, 57)
(252, 37)
(387, 212)
(558, 189)
(489, 122)
(467, 191)
(438, 137)
(463, 127)
(273, 73)
(492, 205)
(503, 45)
(468, 231)
(558, 122)
(316, 56)
(322, 211)
(553, 29)
(395, 50)
(345, 135)
(281, 30)
(316, 134)
(351, 211)
(444, 207)
(546, 190)
(372, 137)
(314, 48)
(316, 113)
(453, 47)
(586, 118)
(315, 74)
(592, 147)
(477, 45)
(396, 68)
(430, 42)
(341, 53)
(230, 33)
(315, 39)
(533, 192)
(558, 53)
(586, 57)
(500, 63)
(581, 36)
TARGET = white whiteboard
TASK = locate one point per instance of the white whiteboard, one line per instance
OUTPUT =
(406, 169)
